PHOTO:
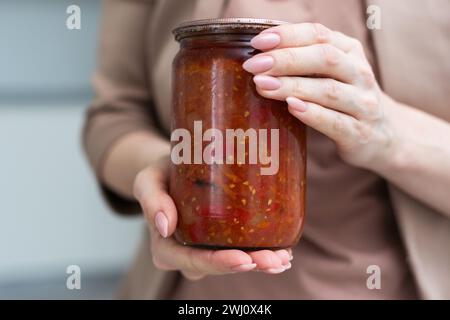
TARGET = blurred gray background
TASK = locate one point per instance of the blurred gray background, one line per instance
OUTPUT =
(51, 214)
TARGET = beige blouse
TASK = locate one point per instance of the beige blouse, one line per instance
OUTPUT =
(350, 223)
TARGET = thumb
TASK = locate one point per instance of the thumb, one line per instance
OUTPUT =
(150, 190)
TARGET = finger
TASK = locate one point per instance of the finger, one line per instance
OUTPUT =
(317, 60)
(284, 257)
(291, 256)
(268, 261)
(159, 208)
(302, 35)
(191, 275)
(326, 92)
(339, 127)
(200, 261)
(194, 276)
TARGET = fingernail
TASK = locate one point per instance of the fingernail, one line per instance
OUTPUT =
(258, 64)
(267, 82)
(297, 104)
(244, 267)
(275, 270)
(291, 257)
(287, 266)
(265, 41)
(162, 224)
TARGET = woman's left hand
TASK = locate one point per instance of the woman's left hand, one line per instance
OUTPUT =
(328, 84)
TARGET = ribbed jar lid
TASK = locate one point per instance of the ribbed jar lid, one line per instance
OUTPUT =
(222, 26)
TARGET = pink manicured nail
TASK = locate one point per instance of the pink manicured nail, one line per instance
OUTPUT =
(162, 224)
(267, 82)
(265, 41)
(270, 30)
(258, 64)
(275, 270)
(287, 266)
(244, 267)
(297, 104)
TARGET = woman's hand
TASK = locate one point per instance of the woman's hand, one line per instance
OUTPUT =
(150, 189)
(328, 84)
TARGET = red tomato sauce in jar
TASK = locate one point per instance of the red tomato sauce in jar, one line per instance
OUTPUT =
(229, 188)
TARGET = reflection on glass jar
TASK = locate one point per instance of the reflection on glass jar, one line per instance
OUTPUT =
(239, 160)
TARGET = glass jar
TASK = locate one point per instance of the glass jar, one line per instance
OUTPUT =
(238, 159)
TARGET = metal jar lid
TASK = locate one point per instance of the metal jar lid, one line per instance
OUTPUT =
(222, 26)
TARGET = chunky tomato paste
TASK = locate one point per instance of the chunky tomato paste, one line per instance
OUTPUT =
(239, 160)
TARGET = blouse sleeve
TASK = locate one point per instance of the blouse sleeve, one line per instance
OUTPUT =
(122, 103)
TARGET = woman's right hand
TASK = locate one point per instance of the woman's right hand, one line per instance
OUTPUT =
(150, 189)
